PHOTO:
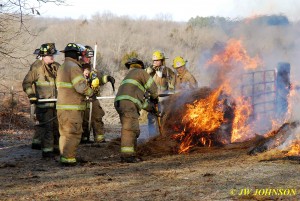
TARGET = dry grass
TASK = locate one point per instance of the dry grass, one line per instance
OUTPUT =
(207, 174)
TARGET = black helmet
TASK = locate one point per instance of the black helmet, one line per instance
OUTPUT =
(131, 61)
(47, 49)
(88, 51)
(72, 47)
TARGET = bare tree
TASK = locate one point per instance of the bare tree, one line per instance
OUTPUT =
(13, 17)
(16, 36)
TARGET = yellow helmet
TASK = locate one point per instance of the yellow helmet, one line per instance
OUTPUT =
(158, 55)
(178, 62)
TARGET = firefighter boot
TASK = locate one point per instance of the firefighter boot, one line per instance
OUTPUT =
(130, 159)
(36, 146)
(48, 154)
(99, 138)
(68, 162)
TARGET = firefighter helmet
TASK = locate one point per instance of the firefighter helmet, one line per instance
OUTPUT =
(132, 61)
(47, 49)
(82, 48)
(158, 55)
(72, 47)
(88, 51)
(178, 62)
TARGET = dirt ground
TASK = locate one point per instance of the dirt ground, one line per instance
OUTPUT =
(226, 173)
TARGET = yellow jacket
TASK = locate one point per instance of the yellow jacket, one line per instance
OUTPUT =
(134, 86)
(40, 81)
(71, 86)
(164, 83)
(185, 81)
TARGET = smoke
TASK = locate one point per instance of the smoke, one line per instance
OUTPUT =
(269, 39)
(293, 116)
(289, 8)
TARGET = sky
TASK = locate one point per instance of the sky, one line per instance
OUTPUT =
(175, 10)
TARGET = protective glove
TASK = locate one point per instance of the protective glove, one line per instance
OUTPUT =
(154, 100)
(111, 79)
(32, 99)
(149, 70)
(93, 74)
(95, 83)
(93, 97)
(149, 107)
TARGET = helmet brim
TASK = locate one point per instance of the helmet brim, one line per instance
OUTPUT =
(63, 51)
(36, 51)
(128, 64)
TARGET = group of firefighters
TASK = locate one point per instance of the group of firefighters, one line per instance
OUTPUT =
(64, 124)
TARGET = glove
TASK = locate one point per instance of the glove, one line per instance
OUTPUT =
(154, 100)
(93, 75)
(95, 83)
(149, 107)
(111, 79)
(32, 99)
(149, 70)
(93, 97)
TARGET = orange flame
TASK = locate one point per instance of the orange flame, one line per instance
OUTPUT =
(235, 55)
(294, 148)
(242, 112)
(203, 116)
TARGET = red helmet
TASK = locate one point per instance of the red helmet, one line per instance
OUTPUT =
(88, 51)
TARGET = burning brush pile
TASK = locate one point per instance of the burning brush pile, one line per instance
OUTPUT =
(219, 115)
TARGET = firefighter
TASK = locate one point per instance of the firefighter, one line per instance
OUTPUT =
(97, 111)
(72, 92)
(184, 79)
(128, 103)
(39, 83)
(164, 78)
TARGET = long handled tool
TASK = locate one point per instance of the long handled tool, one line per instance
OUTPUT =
(158, 116)
(54, 99)
(91, 102)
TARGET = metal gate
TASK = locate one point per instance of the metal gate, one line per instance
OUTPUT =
(260, 88)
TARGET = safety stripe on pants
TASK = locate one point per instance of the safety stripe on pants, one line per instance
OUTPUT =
(67, 160)
(100, 137)
(127, 150)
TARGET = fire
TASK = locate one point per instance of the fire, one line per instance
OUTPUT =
(235, 55)
(205, 117)
(294, 148)
(202, 118)
(240, 126)
(293, 100)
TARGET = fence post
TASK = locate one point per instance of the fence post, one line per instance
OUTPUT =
(282, 88)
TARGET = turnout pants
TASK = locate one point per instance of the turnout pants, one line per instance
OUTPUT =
(97, 123)
(152, 123)
(47, 128)
(130, 131)
(70, 128)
